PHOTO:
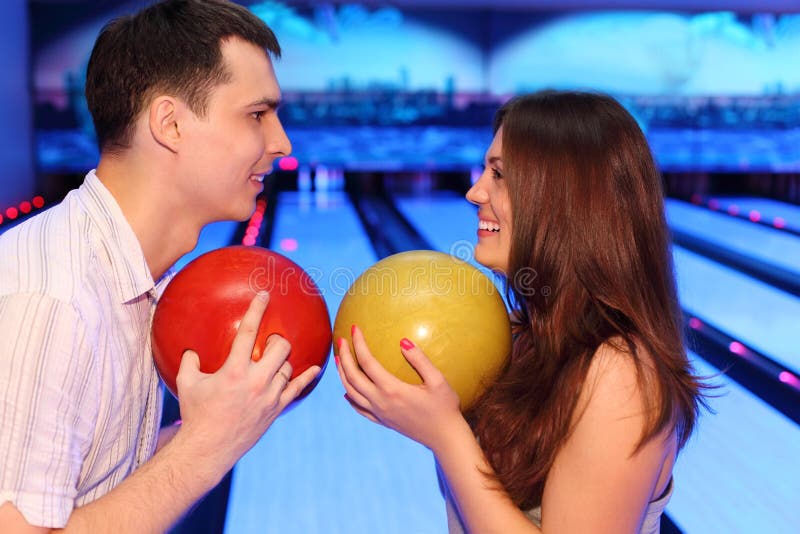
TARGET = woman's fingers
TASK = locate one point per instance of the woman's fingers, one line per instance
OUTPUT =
(416, 411)
(376, 372)
(420, 362)
(362, 411)
(353, 380)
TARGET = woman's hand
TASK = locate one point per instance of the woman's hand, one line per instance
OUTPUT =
(422, 412)
(429, 414)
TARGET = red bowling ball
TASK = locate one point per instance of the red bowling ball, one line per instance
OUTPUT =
(202, 306)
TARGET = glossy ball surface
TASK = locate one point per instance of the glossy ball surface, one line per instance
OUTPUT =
(445, 306)
(202, 307)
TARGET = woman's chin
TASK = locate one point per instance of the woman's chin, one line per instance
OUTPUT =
(493, 264)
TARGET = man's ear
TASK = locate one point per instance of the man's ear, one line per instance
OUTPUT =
(163, 122)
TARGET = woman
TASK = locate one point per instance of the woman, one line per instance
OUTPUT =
(580, 432)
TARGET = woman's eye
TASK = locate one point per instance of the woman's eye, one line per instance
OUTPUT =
(496, 174)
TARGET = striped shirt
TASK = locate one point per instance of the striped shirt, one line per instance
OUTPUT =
(80, 399)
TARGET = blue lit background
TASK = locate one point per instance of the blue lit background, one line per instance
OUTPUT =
(713, 90)
(410, 91)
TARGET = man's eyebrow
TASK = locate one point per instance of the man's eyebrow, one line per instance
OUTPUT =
(270, 103)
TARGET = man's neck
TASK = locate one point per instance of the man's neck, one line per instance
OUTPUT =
(147, 200)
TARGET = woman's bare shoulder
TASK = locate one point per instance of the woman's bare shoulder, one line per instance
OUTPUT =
(613, 384)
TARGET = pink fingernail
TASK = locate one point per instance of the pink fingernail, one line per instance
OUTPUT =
(352, 330)
(336, 359)
(406, 344)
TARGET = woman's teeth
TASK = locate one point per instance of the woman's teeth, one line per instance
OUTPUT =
(490, 226)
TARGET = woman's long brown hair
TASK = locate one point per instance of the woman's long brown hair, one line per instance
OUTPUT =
(590, 262)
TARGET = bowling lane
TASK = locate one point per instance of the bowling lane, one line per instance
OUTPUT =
(770, 210)
(767, 245)
(746, 430)
(739, 471)
(753, 312)
(322, 468)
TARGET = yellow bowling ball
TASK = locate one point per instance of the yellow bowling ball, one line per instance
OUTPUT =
(447, 307)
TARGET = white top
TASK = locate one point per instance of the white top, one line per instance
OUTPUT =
(80, 401)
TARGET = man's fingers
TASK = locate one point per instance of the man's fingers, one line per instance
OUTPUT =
(188, 370)
(280, 379)
(296, 386)
(273, 356)
(245, 339)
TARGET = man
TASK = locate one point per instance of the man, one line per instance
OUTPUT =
(184, 99)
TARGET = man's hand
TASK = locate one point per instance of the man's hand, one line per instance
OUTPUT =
(225, 413)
